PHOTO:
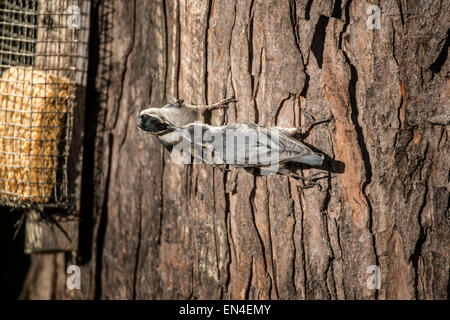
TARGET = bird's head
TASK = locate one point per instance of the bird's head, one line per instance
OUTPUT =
(152, 120)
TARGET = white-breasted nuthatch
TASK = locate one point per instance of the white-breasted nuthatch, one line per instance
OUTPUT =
(244, 145)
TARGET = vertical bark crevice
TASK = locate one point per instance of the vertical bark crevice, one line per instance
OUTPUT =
(250, 59)
(318, 41)
(102, 225)
(86, 228)
(303, 243)
(365, 156)
(258, 233)
(161, 197)
(216, 246)
(166, 48)
(308, 9)
(294, 254)
(293, 17)
(273, 277)
(227, 224)
(138, 250)
(394, 34)
(205, 64)
(417, 253)
(249, 282)
(125, 68)
(337, 9)
(400, 8)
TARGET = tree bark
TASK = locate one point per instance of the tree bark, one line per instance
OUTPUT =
(151, 229)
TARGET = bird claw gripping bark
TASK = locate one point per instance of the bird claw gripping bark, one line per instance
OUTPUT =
(313, 122)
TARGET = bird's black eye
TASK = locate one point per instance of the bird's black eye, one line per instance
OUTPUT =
(177, 104)
(151, 124)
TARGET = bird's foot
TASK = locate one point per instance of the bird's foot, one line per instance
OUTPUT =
(224, 103)
(312, 122)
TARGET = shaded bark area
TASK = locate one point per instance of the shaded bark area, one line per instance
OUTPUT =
(151, 229)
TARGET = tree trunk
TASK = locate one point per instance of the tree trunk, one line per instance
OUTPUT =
(151, 229)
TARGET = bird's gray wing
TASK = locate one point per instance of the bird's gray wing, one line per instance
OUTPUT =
(246, 144)
(249, 145)
(198, 135)
(295, 151)
(227, 144)
(290, 147)
(273, 146)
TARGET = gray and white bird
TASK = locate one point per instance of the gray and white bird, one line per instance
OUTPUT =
(244, 145)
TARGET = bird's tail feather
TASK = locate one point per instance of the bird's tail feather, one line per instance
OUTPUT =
(313, 159)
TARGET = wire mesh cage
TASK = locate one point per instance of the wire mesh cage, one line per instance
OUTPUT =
(39, 63)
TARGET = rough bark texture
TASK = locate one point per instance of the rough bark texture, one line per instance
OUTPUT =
(151, 229)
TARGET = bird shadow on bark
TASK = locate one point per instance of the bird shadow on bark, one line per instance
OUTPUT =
(329, 164)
